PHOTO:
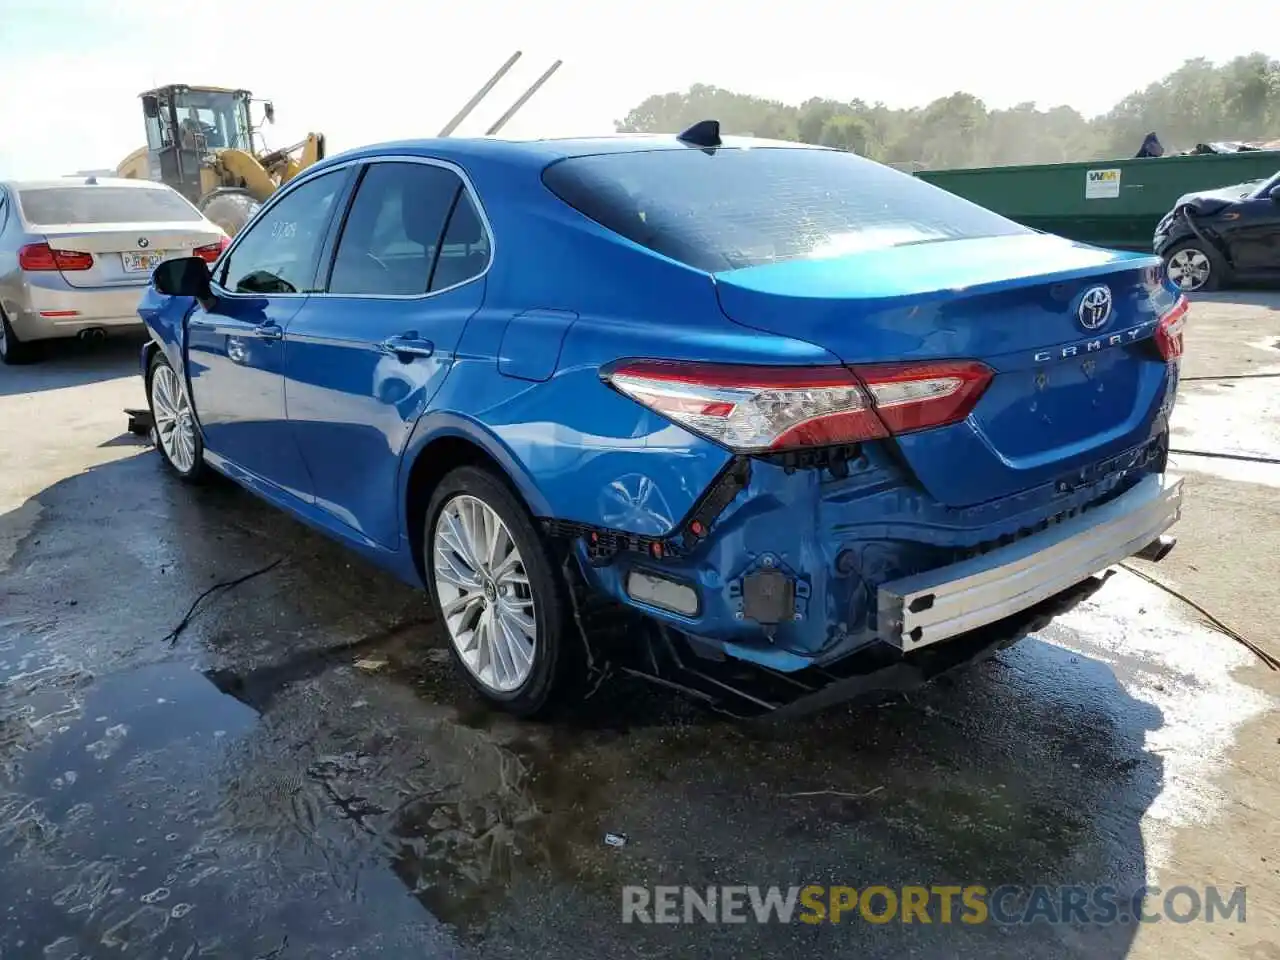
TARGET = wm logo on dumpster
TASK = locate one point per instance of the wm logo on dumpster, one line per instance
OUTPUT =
(1102, 184)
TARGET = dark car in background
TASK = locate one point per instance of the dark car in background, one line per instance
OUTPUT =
(1213, 237)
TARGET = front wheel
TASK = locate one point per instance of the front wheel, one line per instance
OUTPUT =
(498, 593)
(1195, 266)
(175, 432)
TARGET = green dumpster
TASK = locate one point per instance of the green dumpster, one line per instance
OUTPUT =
(1111, 203)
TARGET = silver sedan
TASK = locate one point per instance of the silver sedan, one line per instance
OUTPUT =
(76, 255)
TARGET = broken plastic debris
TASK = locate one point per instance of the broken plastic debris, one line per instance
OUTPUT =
(615, 839)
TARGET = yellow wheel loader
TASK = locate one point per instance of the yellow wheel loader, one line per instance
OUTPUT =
(200, 142)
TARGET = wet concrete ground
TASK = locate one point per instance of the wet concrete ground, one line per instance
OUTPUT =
(298, 773)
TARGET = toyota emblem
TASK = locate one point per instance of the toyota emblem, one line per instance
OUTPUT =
(1095, 307)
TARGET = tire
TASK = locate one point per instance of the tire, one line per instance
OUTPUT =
(230, 209)
(527, 677)
(167, 397)
(12, 350)
(1186, 264)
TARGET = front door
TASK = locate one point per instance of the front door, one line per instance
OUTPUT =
(1255, 239)
(363, 359)
(235, 351)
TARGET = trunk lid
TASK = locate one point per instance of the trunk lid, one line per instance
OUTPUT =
(124, 254)
(1064, 397)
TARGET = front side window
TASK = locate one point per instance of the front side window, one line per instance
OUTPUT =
(392, 238)
(277, 254)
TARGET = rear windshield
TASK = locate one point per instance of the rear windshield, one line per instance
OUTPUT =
(736, 208)
(87, 204)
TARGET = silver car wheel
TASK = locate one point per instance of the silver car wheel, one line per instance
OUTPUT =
(175, 429)
(484, 593)
(1189, 269)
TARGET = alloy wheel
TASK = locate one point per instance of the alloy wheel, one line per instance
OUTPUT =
(484, 593)
(175, 428)
(1189, 269)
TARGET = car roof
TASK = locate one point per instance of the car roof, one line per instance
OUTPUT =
(544, 151)
(87, 182)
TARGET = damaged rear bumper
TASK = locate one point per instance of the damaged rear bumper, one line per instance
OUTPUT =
(769, 625)
(923, 609)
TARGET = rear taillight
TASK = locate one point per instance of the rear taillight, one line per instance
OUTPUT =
(1168, 334)
(212, 251)
(762, 408)
(40, 257)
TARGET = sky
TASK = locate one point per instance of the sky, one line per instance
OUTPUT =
(372, 70)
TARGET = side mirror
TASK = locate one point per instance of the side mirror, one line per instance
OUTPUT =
(184, 277)
(1274, 194)
(150, 107)
(269, 111)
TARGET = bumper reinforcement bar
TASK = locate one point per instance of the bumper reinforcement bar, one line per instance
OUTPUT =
(925, 608)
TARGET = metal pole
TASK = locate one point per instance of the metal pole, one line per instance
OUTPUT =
(480, 95)
(511, 111)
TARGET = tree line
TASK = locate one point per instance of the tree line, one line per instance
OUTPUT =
(1200, 102)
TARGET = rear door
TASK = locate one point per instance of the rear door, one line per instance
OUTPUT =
(235, 351)
(363, 360)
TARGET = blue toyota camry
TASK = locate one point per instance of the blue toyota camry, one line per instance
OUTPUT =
(780, 405)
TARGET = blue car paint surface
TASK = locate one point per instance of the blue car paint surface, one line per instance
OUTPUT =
(326, 423)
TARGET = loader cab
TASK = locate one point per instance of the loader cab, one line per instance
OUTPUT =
(186, 126)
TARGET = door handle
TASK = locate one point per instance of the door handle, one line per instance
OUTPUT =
(269, 331)
(408, 346)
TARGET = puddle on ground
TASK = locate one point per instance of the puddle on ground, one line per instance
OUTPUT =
(322, 786)
(137, 808)
(94, 805)
(1186, 671)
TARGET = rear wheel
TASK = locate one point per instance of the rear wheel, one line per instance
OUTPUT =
(175, 432)
(12, 350)
(230, 208)
(1195, 266)
(498, 593)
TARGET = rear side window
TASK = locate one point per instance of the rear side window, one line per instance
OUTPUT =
(87, 204)
(464, 252)
(734, 208)
(391, 243)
